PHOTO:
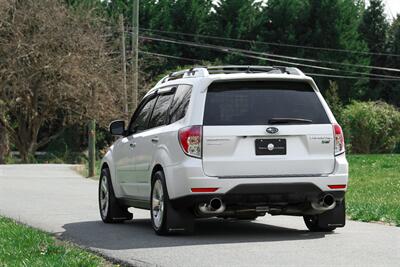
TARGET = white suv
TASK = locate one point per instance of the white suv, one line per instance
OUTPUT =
(229, 142)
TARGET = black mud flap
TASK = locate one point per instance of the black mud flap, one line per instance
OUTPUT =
(122, 215)
(180, 221)
(335, 217)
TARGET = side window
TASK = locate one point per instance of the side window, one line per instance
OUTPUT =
(140, 122)
(180, 103)
(160, 112)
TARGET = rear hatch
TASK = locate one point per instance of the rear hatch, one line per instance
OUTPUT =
(266, 129)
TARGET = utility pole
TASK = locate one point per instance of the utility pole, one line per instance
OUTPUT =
(123, 52)
(92, 148)
(92, 139)
(135, 50)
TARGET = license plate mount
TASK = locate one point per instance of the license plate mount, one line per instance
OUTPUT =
(270, 146)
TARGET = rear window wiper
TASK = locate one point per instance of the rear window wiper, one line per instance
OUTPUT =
(288, 120)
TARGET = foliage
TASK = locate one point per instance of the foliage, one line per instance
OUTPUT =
(337, 24)
(49, 80)
(238, 19)
(374, 186)
(327, 23)
(374, 28)
(333, 99)
(391, 91)
(320, 23)
(371, 127)
(24, 246)
(67, 48)
(4, 143)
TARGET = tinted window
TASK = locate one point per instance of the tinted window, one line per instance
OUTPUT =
(141, 120)
(160, 112)
(255, 103)
(180, 103)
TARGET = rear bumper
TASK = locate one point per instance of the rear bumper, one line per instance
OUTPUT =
(252, 195)
(182, 178)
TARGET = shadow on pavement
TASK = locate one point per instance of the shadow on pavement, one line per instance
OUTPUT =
(139, 234)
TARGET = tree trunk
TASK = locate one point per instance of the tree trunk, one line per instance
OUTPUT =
(27, 150)
(4, 143)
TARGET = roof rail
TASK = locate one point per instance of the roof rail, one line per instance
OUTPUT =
(200, 71)
(203, 71)
(253, 69)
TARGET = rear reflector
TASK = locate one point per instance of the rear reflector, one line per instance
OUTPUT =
(337, 186)
(204, 190)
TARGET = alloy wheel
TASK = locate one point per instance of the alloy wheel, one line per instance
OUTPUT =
(157, 204)
(104, 197)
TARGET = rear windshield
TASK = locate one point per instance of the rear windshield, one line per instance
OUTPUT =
(260, 102)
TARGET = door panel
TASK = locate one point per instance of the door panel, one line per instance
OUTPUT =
(147, 143)
(131, 182)
(124, 158)
(145, 149)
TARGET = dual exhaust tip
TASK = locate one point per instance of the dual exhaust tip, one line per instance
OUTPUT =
(326, 202)
(215, 203)
(215, 206)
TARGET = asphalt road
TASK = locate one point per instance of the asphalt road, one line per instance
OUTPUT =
(56, 199)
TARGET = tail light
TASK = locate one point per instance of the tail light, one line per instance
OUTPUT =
(339, 139)
(190, 139)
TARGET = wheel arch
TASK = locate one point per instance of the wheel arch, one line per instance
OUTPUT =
(107, 162)
(157, 167)
(104, 165)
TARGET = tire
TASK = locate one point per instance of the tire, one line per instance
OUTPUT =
(110, 210)
(164, 218)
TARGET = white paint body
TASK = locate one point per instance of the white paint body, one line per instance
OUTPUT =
(228, 151)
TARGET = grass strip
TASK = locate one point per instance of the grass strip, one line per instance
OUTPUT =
(374, 188)
(21, 245)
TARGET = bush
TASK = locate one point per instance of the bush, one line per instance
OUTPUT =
(371, 127)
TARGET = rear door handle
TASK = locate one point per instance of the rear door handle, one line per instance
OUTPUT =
(132, 145)
(154, 139)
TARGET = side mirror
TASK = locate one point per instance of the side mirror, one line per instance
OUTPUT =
(117, 127)
(134, 130)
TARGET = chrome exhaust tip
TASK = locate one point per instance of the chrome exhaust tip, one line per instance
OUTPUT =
(215, 203)
(215, 206)
(326, 202)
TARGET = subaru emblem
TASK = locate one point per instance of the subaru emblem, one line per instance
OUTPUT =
(272, 130)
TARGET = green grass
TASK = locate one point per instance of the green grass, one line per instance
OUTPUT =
(21, 245)
(374, 188)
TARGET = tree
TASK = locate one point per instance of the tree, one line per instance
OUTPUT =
(373, 29)
(282, 23)
(317, 23)
(391, 92)
(183, 16)
(333, 100)
(54, 71)
(4, 143)
(238, 19)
